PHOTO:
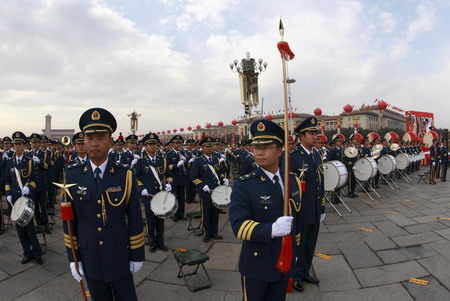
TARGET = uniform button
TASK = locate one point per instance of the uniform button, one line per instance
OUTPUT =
(255, 254)
(81, 198)
(115, 200)
(99, 229)
(100, 243)
(99, 202)
(265, 207)
(98, 215)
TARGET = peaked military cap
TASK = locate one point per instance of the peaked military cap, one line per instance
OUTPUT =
(176, 139)
(266, 132)
(190, 141)
(78, 138)
(308, 125)
(44, 139)
(35, 137)
(97, 120)
(207, 141)
(131, 138)
(151, 138)
(119, 141)
(6, 139)
(216, 140)
(19, 137)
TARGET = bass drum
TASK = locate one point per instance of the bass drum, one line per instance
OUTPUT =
(221, 196)
(387, 164)
(164, 204)
(335, 175)
(365, 169)
(403, 161)
(22, 211)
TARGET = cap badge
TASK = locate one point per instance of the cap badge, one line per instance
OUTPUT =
(313, 121)
(95, 115)
(17, 135)
(261, 127)
(81, 135)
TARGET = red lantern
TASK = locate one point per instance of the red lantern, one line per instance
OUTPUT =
(181, 129)
(234, 122)
(174, 130)
(220, 123)
(159, 133)
(198, 127)
(317, 112)
(348, 109)
(291, 115)
(382, 105)
(208, 125)
(189, 128)
(269, 117)
(168, 131)
(163, 132)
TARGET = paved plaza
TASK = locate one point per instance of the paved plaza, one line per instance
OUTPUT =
(402, 239)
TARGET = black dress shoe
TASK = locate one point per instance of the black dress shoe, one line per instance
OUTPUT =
(183, 219)
(206, 239)
(152, 249)
(175, 219)
(298, 286)
(311, 279)
(217, 237)
(25, 260)
(48, 231)
(39, 260)
(163, 247)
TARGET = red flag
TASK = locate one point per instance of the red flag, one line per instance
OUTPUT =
(285, 51)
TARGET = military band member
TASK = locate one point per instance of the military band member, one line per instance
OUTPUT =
(256, 216)
(205, 174)
(152, 174)
(120, 155)
(307, 165)
(80, 151)
(41, 162)
(107, 229)
(433, 159)
(24, 164)
(190, 155)
(178, 168)
(350, 164)
(247, 162)
(444, 158)
(336, 153)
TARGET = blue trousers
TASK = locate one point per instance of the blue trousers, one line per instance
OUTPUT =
(29, 240)
(120, 290)
(257, 290)
(308, 241)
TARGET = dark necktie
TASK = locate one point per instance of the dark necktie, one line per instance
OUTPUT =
(97, 177)
(278, 187)
(18, 161)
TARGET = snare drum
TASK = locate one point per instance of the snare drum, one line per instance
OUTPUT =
(365, 169)
(387, 164)
(335, 175)
(403, 161)
(221, 196)
(164, 204)
(23, 211)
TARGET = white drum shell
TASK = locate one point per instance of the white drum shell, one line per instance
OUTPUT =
(23, 211)
(387, 164)
(335, 175)
(221, 196)
(403, 161)
(365, 169)
(164, 204)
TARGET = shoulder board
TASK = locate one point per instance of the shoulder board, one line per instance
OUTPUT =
(120, 165)
(249, 176)
(75, 165)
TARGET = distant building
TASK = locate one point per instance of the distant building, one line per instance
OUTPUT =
(55, 133)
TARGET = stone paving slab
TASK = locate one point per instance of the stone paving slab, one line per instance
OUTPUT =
(359, 255)
(381, 293)
(444, 232)
(433, 291)
(416, 239)
(10, 262)
(427, 227)
(330, 270)
(388, 274)
(377, 240)
(401, 219)
(438, 266)
(389, 228)
(406, 254)
(224, 256)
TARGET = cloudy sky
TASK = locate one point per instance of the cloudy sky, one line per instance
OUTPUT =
(168, 59)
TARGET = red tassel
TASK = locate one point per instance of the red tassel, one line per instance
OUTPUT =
(66, 211)
(290, 285)
(285, 258)
(285, 51)
(303, 183)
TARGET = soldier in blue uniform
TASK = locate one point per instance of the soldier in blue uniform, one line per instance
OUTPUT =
(256, 216)
(108, 228)
(444, 159)
(206, 175)
(25, 166)
(336, 153)
(349, 164)
(121, 156)
(80, 151)
(41, 161)
(247, 162)
(178, 168)
(153, 176)
(307, 165)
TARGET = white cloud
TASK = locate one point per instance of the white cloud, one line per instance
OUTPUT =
(388, 21)
(424, 22)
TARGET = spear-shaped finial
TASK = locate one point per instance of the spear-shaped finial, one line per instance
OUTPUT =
(281, 30)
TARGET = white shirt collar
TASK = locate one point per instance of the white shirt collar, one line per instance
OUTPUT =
(82, 159)
(151, 158)
(19, 158)
(102, 167)
(271, 175)
(304, 148)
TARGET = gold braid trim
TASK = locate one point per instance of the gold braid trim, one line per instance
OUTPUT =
(29, 171)
(127, 193)
(296, 207)
(300, 192)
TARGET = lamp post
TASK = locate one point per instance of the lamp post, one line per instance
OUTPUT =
(134, 121)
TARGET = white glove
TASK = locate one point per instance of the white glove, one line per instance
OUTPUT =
(322, 217)
(136, 266)
(9, 199)
(137, 157)
(168, 187)
(226, 182)
(183, 158)
(181, 162)
(144, 192)
(134, 162)
(206, 189)
(434, 163)
(191, 160)
(36, 159)
(26, 190)
(282, 226)
(75, 274)
(223, 156)
(222, 160)
(440, 161)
